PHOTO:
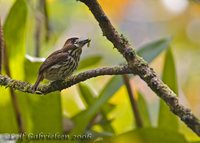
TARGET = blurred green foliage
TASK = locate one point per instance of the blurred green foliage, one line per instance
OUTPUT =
(15, 47)
(148, 135)
(95, 113)
(143, 110)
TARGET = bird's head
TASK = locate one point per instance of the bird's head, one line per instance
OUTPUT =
(75, 43)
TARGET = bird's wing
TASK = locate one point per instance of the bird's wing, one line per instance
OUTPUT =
(52, 59)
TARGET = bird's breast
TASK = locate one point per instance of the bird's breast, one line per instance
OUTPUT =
(62, 69)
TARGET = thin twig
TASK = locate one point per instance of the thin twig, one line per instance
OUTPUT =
(5, 59)
(134, 106)
(37, 35)
(12, 93)
(44, 8)
(141, 68)
(3, 54)
(40, 15)
(1, 46)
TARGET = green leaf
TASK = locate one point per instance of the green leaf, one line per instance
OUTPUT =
(86, 94)
(14, 29)
(147, 135)
(14, 34)
(8, 123)
(150, 51)
(167, 118)
(89, 61)
(86, 116)
(188, 133)
(90, 99)
(143, 110)
(31, 69)
(169, 72)
(40, 113)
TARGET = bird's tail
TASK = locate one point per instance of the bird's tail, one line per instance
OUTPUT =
(39, 79)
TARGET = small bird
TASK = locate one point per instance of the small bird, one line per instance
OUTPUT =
(61, 63)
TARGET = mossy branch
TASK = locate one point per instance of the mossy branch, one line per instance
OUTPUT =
(60, 85)
(141, 68)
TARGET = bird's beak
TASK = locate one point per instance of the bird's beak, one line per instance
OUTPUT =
(83, 42)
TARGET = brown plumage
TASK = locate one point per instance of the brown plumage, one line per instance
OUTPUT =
(61, 63)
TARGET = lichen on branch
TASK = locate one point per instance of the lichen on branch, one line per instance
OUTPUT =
(141, 68)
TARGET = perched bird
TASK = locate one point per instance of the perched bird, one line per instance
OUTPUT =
(61, 63)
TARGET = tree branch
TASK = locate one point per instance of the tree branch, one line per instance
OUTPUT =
(141, 68)
(70, 81)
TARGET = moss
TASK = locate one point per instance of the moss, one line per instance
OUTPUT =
(124, 40)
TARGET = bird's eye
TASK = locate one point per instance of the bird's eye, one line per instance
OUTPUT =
(75, 41)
